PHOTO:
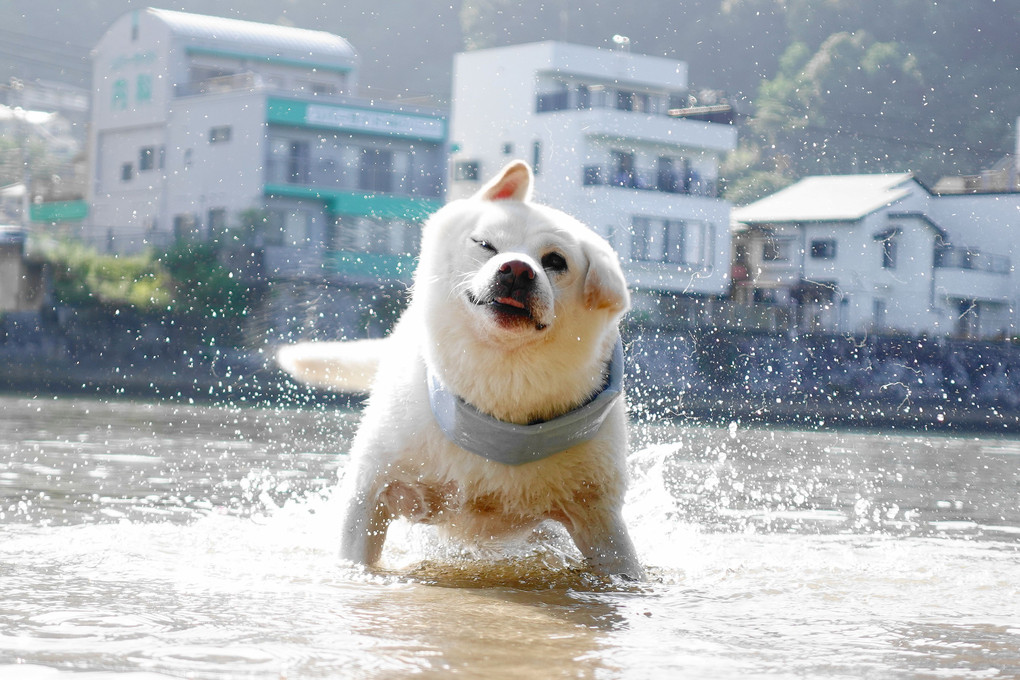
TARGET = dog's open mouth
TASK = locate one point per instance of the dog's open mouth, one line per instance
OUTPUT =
(508, 311)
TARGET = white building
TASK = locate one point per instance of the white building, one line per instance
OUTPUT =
(197, 119)
(881, 253)
(604, 132)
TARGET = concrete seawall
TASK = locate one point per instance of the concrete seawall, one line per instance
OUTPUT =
(697, 376)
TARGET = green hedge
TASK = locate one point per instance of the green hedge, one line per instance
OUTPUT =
(187, 280)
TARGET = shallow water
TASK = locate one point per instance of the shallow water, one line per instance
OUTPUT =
(152, 541)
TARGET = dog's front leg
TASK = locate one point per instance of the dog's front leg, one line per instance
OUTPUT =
(364, 525)
(602, 538)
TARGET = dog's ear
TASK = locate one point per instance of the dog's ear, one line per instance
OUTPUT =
(512, 184)
(604, 285)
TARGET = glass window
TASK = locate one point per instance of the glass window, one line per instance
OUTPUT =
(147, 158)
(823, 249)
(658, 240)
(623, 169)
(298, 163)
(889, 253)
(675, 234)
(219, 134)
(640, 227)
(217, 223)
(143, 88)
(466, 171)
(376, 170)
(119, 98)
(777, 250)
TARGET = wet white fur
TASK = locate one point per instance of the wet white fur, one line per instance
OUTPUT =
(402, 465)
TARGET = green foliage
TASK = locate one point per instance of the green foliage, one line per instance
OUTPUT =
(188, 280)
(83, 277)
(863, 86)
(201, 285)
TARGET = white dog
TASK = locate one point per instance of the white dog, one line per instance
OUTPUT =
(495, 402)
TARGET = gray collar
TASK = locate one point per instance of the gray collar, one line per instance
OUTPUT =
(512, 444)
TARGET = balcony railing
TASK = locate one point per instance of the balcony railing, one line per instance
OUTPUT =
(650, 180)
(237, 81)
(952, 257)
(327, 173)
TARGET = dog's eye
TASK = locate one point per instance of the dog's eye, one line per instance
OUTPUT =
(554, 262)
(485, 245)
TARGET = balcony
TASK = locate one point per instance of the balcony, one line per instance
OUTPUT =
(239, 81)
(649, 180)
(967, 274)
(333, 175)
(657, 125)
(967, 258)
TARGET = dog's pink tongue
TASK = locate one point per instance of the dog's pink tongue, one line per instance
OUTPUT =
(511, 302)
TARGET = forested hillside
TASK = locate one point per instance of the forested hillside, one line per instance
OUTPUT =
(824, 86)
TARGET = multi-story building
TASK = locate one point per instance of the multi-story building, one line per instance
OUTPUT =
(881, 253)
(214, 128)
(612, 141)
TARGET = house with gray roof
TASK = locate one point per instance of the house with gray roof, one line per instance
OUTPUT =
(881, 253)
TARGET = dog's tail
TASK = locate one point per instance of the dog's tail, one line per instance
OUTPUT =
(336, 366)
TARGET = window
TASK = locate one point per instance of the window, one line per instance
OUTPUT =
(889, 253)
(777, 250)
(823, 249)
(376, 170)
(553, 100)
(466, 171)
(667, 178)
(298, 227)
(146, 158)
(127, 171)
(143, 88)
(298, 163)
(219, 134)
(623, 169)
(217, 223)
(583, 97)
(119, 97)
(536, 157)
(184, 226)
(878, 312)
(272, 233)
(411, 237)
(508, 148)
(658, 240)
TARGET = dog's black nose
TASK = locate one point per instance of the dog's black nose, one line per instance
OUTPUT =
(510, 271)
(513, 283)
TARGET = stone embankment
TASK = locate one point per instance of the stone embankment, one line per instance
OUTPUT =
(695, 376)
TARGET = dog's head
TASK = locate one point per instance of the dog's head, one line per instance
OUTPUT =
(517, 272)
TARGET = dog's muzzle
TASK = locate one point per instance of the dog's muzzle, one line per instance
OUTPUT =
(510, 293)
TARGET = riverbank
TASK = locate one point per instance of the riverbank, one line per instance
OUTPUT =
(816, 381)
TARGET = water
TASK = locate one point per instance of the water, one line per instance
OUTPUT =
(153, 541)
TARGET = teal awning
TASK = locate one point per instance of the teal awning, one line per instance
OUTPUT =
(59, 211)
